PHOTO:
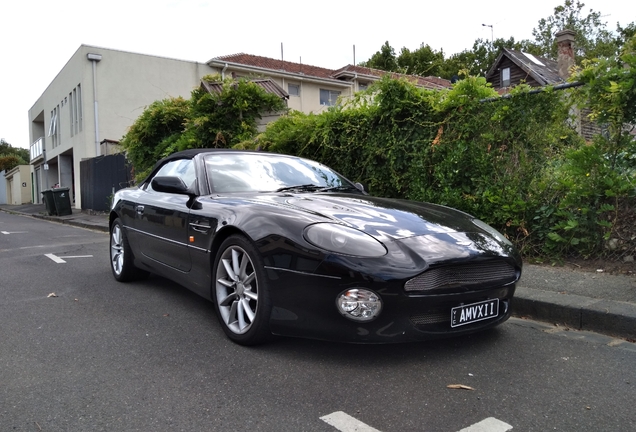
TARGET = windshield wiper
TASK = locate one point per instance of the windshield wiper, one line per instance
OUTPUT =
(305, 187)
(339, 189)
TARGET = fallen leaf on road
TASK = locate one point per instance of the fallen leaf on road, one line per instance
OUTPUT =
(166, 314)
(459, 386)
(52, 295)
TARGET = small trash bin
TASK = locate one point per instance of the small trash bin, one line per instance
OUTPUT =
(62, 200)
(49, 203)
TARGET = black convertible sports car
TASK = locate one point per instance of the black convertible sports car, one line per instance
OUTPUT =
(286, 246)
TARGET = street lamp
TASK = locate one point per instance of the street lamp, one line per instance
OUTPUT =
(492, 39)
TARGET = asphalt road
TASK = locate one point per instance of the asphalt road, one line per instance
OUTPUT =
(151, 356)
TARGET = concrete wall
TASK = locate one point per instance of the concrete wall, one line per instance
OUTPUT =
(3, 189)
(18, 185)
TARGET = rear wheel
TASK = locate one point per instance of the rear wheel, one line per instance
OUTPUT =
(121, 257)
(240, 292)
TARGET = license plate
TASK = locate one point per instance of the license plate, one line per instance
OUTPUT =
(466, 314)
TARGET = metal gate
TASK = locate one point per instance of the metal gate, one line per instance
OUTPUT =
(101, 177)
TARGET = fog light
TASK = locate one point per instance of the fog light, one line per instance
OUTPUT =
(359, 304)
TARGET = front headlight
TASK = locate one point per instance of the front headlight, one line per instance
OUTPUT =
(359, 304)
(343, 240)
(493, 232)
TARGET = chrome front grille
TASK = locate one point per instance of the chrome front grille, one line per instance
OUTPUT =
(487, 273)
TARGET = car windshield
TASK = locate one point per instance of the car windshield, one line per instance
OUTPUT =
(262, 172)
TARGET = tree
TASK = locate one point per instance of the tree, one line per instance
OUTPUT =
(424, 61)
(610, 94)
(228, 117)
(593, 39)
(384, 59)
(221, 119)
(10, 156)
(155, 130)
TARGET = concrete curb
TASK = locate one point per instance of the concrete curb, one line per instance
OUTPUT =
(75, 222)
(609, 317)
(79, 223)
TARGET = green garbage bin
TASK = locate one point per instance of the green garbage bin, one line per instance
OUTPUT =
(62, 200)
(47, 197)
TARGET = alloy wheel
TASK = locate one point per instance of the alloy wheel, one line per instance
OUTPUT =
(237, 290)
(117, 249)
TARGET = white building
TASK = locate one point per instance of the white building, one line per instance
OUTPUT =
(96, 96)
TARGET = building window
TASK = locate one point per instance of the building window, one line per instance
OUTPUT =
(363, 86)
(328, 97)
(71, 112)
(53, 126)
(505, 77)
(78, 107)
(293, 89)
(75, 110)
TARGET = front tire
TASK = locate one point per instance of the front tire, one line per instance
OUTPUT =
(121, 257)
(240, 292)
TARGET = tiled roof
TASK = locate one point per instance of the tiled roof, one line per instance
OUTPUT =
(548, 71)
(543, 70)
(348, 71)
(277, 65)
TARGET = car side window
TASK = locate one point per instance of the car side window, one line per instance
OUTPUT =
(182, 168)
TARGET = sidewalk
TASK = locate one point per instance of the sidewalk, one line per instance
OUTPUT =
(579, 300)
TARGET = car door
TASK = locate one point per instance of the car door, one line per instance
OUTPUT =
(161, 219)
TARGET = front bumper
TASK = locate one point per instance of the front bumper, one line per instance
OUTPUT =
(305, 306)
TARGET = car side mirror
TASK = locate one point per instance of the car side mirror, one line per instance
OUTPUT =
(360, 186)
(169, 184)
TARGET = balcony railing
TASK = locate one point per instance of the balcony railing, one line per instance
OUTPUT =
(37, 149)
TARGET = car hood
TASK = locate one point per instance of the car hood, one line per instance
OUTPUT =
(419, 233)
(383, 218)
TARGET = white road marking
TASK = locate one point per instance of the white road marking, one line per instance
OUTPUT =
(12, 232)
(345, 423)
(490, 424)
(55, 258)
(59, 260)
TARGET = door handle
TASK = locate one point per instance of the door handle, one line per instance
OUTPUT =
(198, 226)
(140, 209)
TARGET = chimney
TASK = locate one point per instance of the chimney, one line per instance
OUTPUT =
(565, 56)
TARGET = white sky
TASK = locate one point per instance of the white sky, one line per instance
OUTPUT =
(39, 36)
